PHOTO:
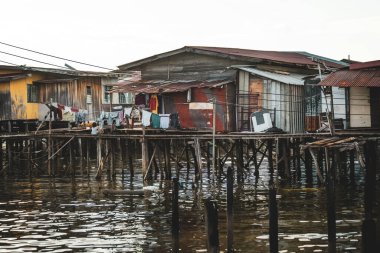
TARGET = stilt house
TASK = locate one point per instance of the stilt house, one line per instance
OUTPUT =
(190, 80)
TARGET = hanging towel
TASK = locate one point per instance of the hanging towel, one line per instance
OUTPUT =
(164, 121)
(146, 118)
(155, 120)
(127, 111)
(153, 103)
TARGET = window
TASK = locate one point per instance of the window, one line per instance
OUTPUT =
(122, 98)
(107, 94)
(32, 93)
(88, 95)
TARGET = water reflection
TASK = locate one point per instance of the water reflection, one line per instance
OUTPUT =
(66, 214)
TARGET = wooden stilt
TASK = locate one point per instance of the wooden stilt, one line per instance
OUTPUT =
(175, 215)
(168, 168)
(10, 156)
(330, 190)
(130, 159)
(88, 158)
(230, 204)
(352, 167)
(308, 168)
(187, 158)
(239, 160)
(144, 155)
(369, 224)
(211, 220)
(80, 155)
(1, 155)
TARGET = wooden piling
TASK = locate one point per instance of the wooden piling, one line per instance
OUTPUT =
(175, 215)
(211, 220)
(369, 225)
(330, 190)
(1, 155)
(80, 155)
(10, 157)
(239, 160)
(308, 168)
(168, 168)
(130, 159)
(273, 212)
(352, 167)
(230, 204)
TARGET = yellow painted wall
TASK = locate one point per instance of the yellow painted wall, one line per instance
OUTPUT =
(21, 109)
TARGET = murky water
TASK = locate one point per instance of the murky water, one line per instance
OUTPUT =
(66, 214)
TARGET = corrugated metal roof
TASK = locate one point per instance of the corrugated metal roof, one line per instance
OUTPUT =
(288, 78)
(364, 65)
(166, 86)
(284, 57)
(8, 77)
(278, 56)
(353, 78)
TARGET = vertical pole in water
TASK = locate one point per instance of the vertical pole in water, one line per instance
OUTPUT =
(88, 154)
(130, 159)
(175, 215)
(168, 168)
(213, 136)
(230, 204)
(369, 225)
(330, 189)
(239, 160)
(10, 157)
(273, 212)
(187, 158)
(144, 153)
(211, 219)
(1, 154)
(98, 151)
(352, 167)
(80, 155)
(49, 139)
(308, 168)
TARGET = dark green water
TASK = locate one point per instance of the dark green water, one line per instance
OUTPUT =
(65, 214)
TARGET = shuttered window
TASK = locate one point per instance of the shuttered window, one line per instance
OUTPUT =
(33, 93)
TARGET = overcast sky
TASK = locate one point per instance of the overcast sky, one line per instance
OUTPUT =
(109, 33)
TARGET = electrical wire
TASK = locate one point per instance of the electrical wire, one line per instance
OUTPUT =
(57, 57)
(26, 58)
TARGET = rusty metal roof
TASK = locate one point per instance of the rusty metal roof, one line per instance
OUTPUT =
(365, 65)
(353, 78)
(8, 77)
(249, 55)
(166, 86)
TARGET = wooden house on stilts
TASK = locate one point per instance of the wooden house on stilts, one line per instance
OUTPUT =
(189, 80)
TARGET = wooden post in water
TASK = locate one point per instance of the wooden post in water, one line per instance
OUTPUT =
(10, 157)
(130, 159)
(230, 205)
(144, 153)
(369, 225)
(239, 160)
(175, 215)
(352, 167)
(330, 190)
(168, 168)
(308, 168)
(211, 220)
(1, 154)
(80, 155)
(273, 212)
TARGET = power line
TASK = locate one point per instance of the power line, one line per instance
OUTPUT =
(9, 63)
(57, 57)
(33, 60)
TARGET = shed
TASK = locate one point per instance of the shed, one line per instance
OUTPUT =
(360, 85)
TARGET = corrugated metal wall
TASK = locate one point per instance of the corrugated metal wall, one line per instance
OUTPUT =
(200, 119)
(287, 102)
